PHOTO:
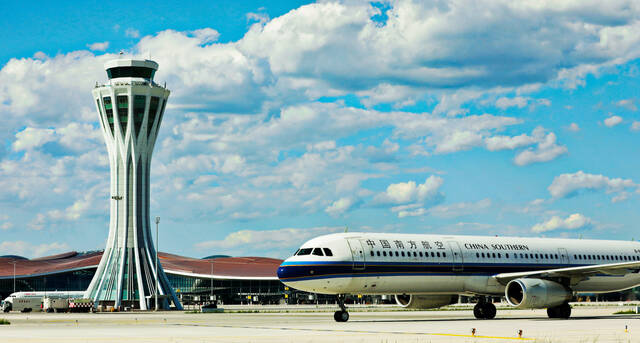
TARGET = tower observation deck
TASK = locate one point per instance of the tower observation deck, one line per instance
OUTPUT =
(130, 106)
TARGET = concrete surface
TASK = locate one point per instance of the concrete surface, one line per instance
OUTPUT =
(588, 324)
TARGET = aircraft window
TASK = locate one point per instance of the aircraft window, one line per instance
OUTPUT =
(499, 256)
(606, 257)
(305, 251)
(616, 258)
(536, 256)
(415, 254)
(402, 254)
(521, 256)
(378, 253)
(575, 257)
(444, 254)
(556, 256)
(482, 255)
(494, 255)
(317, 252)
(432, 254)
(478, 255)
(507, 255)
(421, 254)
(546, 256)
(372, 253)
(438, 254)
(625, 258)
(397, 254)
(384, 253)
(327, 252)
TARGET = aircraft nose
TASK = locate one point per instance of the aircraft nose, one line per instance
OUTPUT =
(282, 271)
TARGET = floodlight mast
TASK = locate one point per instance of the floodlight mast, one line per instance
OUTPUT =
(130, 107)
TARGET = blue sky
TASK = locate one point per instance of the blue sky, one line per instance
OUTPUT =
(294, 119)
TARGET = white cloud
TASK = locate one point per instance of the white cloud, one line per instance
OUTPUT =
(505, 142)
(546, 150)
(280, 242)
(444, 211)
(29, 250)
(31, 138)
(341, 206)
(132, 33)
(98, 46)
(628, 104)
(405, 192)
(568, 185)
(572, 222)
(613, 121)
(261, 18)
(518, 101)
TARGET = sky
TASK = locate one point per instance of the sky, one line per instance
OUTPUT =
(289, 120)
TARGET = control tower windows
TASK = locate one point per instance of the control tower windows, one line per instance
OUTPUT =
(123, 112)
(153, 109)
(108, 109)
(142, 72)
(139, 102)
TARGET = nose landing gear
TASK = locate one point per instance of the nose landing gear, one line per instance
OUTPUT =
(484, 309)
(342, 315)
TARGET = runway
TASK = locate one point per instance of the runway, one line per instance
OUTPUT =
(587, 324)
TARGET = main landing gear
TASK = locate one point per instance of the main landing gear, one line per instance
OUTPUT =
(563, 311)
(342, 315)
(484, 309)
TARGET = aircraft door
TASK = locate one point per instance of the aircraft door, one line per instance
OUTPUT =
(357, 253)
(564, 257)
(457, 258)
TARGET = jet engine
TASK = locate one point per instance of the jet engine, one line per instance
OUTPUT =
(425, 301)
(536, 293)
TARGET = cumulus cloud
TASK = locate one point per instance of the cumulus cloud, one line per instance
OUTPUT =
(519, 102)
(282, 242)
(572, 222)
(628, 104)
(98, 46)
(29, 250)
(444, 211)
(406, 192)
(613, 121)
(341, 206)
(546, 150)
(571, 184)
(574, 127)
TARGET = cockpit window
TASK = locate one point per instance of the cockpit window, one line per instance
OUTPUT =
(317, 252)
(327, 252)
(305, 251)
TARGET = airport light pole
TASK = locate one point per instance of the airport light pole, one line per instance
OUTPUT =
(14, 274)
(211, 298)
(157, 278)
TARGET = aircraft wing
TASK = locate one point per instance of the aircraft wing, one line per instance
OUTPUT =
(574, 272)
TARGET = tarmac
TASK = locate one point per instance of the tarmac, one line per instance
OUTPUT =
(587, 324)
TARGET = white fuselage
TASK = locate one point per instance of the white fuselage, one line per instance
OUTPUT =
(379, 263)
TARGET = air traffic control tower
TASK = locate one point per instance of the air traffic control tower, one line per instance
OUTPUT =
(130, 107)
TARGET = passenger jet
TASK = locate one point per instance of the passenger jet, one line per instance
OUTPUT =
(430, 271)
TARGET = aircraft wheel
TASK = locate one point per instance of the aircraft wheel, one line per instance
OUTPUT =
(479, 311)
(552, 312)
(489, 311)
(564, 311)
(341, 316)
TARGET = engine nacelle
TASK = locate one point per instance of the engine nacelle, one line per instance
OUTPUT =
(536, 293)
(425, 301)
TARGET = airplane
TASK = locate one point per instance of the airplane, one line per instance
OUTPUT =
(430, 271)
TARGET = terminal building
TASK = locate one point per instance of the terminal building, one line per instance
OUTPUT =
(230, 280)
